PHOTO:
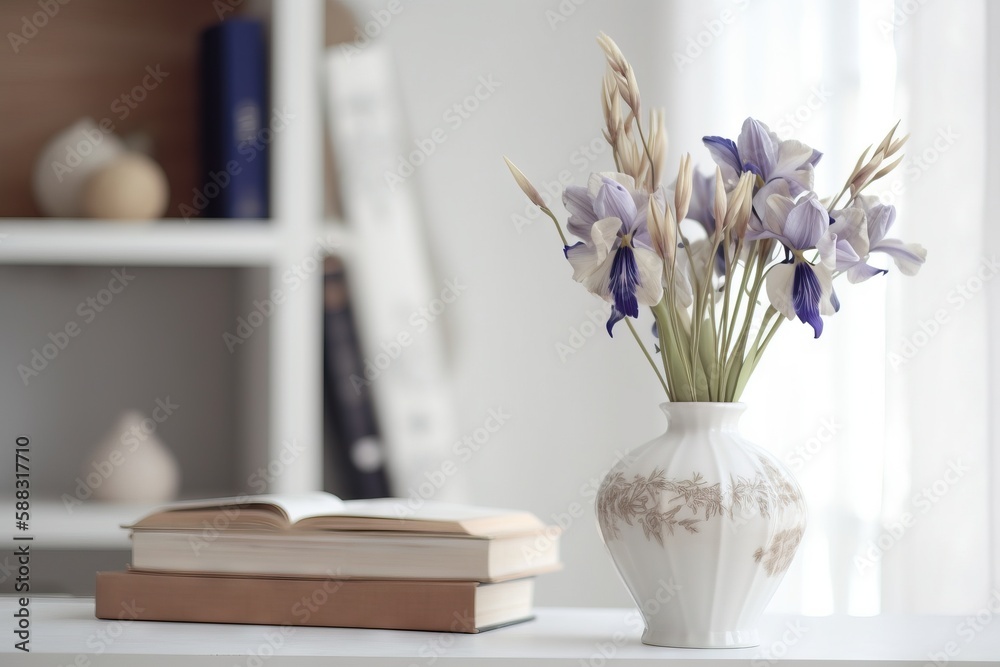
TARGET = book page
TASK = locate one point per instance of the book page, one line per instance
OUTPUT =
(401, 515)
(427, 510)
(291, 507)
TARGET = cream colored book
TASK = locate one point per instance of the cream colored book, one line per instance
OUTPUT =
(319, 535)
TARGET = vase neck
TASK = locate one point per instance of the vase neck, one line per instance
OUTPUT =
(703, 416)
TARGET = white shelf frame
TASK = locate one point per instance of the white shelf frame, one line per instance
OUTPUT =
(285, 404)
(295, 357)
(88, 525)
(166, 243)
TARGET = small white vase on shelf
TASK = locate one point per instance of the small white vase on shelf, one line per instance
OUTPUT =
(702, 525)
(132, 465)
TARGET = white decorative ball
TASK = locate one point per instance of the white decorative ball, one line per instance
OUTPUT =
(130, 187)
(67, 162)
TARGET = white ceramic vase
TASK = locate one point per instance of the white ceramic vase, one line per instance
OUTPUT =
(132, 465)
(702, 525)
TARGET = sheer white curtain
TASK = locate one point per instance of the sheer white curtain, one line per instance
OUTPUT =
(884, 419)
(939, 405)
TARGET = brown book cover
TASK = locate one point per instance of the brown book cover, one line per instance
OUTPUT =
(439, 606)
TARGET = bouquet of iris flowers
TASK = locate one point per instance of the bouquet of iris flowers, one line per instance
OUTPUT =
(757, 246)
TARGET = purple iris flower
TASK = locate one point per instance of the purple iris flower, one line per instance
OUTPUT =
(864, 226)
(615, 258)
(799, 288)
(759, 150)
(702, 206)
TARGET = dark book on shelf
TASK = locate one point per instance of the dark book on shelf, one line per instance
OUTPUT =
(355, 448)
(233, 175)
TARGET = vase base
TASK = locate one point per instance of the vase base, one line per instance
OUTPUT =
(720, 639)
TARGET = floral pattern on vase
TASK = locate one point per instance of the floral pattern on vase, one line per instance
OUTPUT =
(692, 500)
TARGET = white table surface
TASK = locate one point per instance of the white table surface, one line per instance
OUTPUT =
(65, 632)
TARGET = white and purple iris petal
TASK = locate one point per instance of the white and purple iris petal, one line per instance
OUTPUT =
(760, 151)
(799, 288)
(876, 220)
(615, 259)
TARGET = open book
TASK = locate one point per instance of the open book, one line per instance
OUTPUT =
(327, 512)
(319, 535)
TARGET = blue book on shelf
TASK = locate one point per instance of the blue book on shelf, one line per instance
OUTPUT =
(233, 180)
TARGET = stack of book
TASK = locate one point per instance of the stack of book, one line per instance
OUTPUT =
(316, 560)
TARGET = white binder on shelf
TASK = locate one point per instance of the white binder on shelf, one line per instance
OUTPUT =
(392, 285)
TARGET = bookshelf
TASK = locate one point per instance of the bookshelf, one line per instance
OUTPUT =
(265, 395)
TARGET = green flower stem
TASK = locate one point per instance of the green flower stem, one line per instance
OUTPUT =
(671, 340)
(758, 282)
(549, 213)
(732, 352)
(649, 155)
(768, 314)
(737, 355)
(652, 364)
(710, 358)
(767, 340)
(739, 299)
(742, 366)
(723, 335)
(701, 291)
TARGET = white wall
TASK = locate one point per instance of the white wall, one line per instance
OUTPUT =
(566, 419)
